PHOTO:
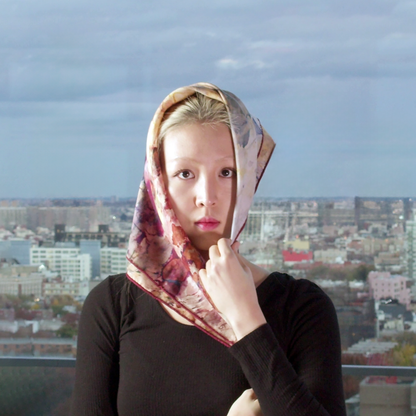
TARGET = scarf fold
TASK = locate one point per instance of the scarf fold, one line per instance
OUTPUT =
(162, 260)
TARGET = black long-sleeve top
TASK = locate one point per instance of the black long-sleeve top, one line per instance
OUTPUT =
(134, 359)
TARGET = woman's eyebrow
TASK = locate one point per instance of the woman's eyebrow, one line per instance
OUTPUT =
(195, 160)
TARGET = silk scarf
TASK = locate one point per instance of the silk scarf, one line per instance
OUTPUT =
(162, 260)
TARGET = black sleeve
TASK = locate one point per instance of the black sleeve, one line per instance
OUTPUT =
(310, 384)
(96, 377)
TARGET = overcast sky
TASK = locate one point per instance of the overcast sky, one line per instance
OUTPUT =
(333, 82)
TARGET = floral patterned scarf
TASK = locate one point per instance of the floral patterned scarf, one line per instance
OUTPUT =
(162, 260)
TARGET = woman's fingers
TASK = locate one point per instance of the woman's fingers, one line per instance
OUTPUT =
(214, 252)
(203, 274)
(208, 266)
(236, 247)
(224, 246)
(246, 405)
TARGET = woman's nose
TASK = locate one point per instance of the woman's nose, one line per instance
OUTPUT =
(206, 194)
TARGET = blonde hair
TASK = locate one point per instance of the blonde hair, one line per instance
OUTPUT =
(197, 108)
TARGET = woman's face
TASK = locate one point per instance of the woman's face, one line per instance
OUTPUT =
(200, 177)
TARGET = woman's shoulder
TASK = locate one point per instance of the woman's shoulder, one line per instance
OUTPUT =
(115, 292)
(283, 282)
(112, 286)
(285, 291)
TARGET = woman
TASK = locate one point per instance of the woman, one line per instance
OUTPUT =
(218, 335)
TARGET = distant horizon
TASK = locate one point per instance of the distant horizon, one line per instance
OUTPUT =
(87, 198)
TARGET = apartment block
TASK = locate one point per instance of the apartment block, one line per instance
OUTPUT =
(74, 289)
(16, 249)
(22, 285)
(385, 285)
(330, 256)
(113, 260)
(38, 347)
(68, 262)
(410, 248)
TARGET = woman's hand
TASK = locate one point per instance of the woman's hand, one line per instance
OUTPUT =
(246, 405)
(230, 285)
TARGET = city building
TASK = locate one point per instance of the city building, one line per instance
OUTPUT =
(19, 270)
(368, 347)
(333, 213)
(92, 247)
(387, 396)
(68, 262)
(390, 262)
(83, 218)
(410, 248)
(38, 347)
(22, 285)
(16, 249)
(384, 212)
(12, 216)
(372, 246)
(113, 260)
(384, 285)
(330, 256)
(291, 257)
(106, 237)
(297, 244)
(59, 288)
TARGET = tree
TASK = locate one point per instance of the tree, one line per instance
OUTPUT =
(67, 331)
(403, 355)
(361, 272)
(406, 338)
(59, 302)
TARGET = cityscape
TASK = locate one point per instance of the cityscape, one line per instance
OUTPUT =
(334, 84)
(360, 251)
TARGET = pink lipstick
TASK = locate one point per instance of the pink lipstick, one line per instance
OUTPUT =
(207, 224)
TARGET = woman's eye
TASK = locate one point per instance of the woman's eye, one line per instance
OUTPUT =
(227, 173)
(185, 174)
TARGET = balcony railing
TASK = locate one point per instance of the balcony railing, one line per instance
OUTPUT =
(37, 362)
(347, 370)
(43, 386)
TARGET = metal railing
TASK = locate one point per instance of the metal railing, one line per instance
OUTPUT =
(9, 361)
(378, 370)
(350, 370)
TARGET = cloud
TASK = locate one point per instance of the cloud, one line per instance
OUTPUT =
(228, 63)
(329, 80)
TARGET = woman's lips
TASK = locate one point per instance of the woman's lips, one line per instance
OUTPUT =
(207, 224)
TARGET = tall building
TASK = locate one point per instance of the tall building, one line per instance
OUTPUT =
(12, 216)
(16, 249)
(410, 248)
(382, 211)
(92, 247)
(68, 262)
(106, 237)
(84, 218)
(113, 260)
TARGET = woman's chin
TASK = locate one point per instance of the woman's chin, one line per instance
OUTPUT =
(204, 244)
